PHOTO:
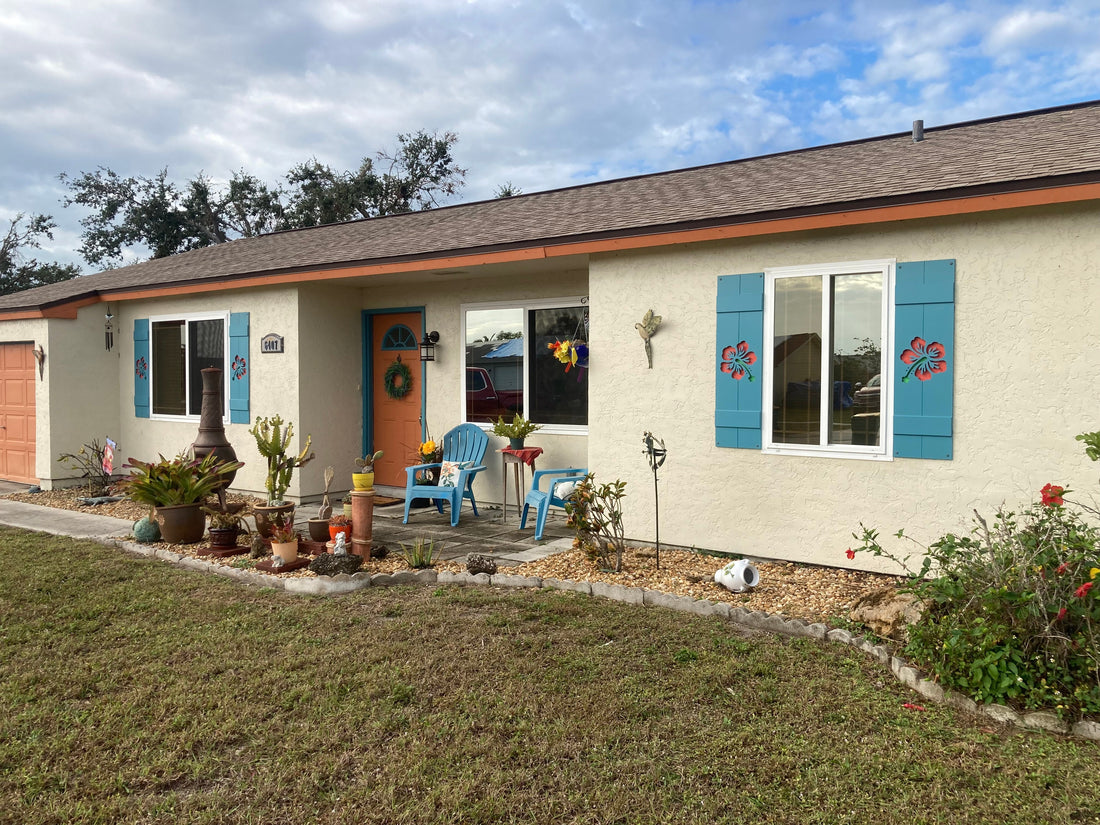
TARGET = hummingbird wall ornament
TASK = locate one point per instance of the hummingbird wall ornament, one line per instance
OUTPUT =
(646, 329)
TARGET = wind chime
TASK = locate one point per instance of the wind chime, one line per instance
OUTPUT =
(656, 454)
(109, 330)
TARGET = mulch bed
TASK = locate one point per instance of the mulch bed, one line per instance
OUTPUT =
(788, 589)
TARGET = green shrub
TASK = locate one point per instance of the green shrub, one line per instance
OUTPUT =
(596, 517)
(421, 554)
(1010, 613)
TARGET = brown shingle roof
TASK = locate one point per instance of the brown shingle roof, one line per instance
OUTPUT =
(1042, 148)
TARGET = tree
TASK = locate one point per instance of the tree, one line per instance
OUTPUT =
(157, 214)
(507, 190)
(17, 272)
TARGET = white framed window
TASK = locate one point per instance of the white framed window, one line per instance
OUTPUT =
(826, 384)
(509, 368)
(180, 347)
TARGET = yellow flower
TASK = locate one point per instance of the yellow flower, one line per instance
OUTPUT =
(1093, 572)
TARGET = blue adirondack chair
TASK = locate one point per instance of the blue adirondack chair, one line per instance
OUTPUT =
(543, 500)
(466, 443)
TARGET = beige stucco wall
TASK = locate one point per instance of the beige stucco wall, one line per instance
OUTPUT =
(1026, 341)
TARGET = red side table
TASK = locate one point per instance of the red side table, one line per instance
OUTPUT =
(517, 458)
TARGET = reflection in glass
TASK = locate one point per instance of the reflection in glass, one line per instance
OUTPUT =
(797, 361)
(494, 363)
(557, 396)
(856, 358)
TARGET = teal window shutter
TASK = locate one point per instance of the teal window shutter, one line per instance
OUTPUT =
(924, 365)
(238, 368)
(738, 397)
(141, 367)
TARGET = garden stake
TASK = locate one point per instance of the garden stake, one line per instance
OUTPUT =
(656, 453)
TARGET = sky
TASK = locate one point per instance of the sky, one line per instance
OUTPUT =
(542, 94)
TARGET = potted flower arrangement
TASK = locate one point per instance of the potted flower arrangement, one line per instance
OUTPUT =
(284, 541)
(272, 440)
(175, 489)
(337, 525)
(364, 479)
(225, 527)
(515, 430)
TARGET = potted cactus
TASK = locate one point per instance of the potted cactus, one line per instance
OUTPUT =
(364, 479)
(272, 440)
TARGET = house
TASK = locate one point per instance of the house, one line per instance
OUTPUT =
(957, 267)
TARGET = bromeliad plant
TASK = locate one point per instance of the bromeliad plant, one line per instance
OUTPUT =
(272, 440)
(180, 480)
(1011, 612)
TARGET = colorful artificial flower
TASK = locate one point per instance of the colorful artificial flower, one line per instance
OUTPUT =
(924, 358)
(737, 360)
(1062, 567)
(1083, 590)
(1061, 615)
(1052, 495)
(427, 450)
(1093, 572)
(570, 353)
(850, 553)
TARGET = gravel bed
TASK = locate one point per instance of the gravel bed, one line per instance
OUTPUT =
(816, 594)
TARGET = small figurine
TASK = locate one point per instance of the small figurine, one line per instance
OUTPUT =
(340, 548)
(646, 329)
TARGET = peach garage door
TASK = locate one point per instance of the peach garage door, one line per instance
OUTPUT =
(395, 350)
(17, 376)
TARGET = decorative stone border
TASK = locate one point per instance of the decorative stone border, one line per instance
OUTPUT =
(757, 620)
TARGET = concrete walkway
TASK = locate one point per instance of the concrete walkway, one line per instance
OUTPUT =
(62, 522)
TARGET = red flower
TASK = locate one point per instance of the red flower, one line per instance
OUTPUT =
(1052, 494)
(1061, 615)
(1063, 567)
(850, 553)
(925, 358)
(1083, 590)
(737, 360)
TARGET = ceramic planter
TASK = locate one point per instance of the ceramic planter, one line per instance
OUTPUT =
(318, 529)
(224, 538)
(363, 481)
(335, 529)
(268, 517)
(515, 443)
(181, 523)
(287, 551)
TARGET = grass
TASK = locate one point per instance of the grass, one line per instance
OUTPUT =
(131, 691)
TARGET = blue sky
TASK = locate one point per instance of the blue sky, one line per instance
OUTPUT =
(542, 94)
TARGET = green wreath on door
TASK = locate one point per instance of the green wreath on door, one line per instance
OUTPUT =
(397, 380)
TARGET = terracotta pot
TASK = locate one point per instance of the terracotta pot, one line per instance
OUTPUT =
(363, 481)
(335, 529)
(224, 537)
(318, 529)
(269, 517)
(287, 551)
(181, 523)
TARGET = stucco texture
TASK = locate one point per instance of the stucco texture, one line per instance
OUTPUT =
(1026, 336)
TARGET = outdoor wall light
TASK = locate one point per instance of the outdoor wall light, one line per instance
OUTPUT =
(427, 346)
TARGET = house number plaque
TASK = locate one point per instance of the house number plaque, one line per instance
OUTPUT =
(271, 343)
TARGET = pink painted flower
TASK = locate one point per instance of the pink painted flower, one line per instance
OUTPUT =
(1052, 495)
(1083, 590)
(737, 360)
(924, 358)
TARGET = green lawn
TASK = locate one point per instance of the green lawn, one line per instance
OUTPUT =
(131, 691)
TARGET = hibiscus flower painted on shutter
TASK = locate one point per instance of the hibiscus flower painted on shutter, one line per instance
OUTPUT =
(739, 380)
(924, 365)
(239, 368)
(141, 367)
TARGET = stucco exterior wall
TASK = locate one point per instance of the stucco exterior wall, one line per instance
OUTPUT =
(1027, 285)
(274, 384)
(444, 378)
(330, 365)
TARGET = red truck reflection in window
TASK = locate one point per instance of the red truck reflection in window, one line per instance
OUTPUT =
(484, 402)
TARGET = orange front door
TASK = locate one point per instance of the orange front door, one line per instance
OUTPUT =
(17, 376)
(395, 421)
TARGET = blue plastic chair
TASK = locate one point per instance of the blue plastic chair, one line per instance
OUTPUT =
(465, 443)
(543, 500)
